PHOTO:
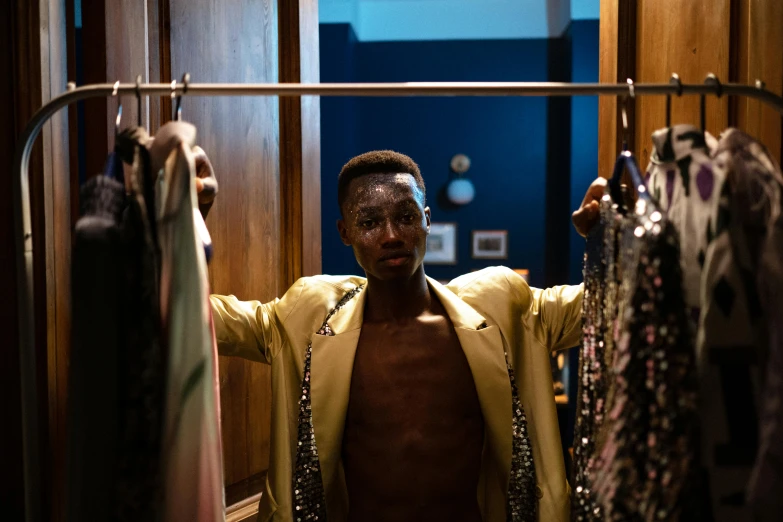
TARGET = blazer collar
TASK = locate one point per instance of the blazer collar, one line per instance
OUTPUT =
(350, 316)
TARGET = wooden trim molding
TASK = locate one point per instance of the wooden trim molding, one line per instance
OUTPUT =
(244, 509)
(616, 63)
(300, 142)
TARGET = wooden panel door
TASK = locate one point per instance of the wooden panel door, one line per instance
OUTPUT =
(687, 38)
(757, 36)
(236, 41)
(648, 40)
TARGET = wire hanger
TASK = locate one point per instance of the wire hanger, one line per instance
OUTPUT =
(138, 98)
(178, 109)
(626, 161)
(674, 80)
(713, 80)
(118, 119)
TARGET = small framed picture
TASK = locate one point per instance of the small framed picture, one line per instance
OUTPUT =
(442, 244)
(490, 244)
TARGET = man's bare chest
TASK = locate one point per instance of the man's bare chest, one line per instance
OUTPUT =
(411, 371)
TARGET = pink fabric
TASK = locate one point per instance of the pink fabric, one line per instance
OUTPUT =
(192, 453)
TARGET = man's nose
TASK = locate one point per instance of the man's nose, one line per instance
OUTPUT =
(391, 234)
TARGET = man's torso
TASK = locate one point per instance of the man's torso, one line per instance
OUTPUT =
(414, 431)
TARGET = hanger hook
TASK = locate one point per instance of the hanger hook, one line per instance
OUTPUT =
(674, 80)
(631, 96)
(138, 98)
(712, 80)
(178, 110)
(119, 108)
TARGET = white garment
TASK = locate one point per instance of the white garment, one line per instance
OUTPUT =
(682, 180)
(192, 447)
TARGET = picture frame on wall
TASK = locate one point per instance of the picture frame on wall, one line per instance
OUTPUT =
(490, 244)
(442, 244)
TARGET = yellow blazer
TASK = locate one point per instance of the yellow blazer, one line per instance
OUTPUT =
(525, 322)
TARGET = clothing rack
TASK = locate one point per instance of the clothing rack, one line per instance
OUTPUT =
(24, 239)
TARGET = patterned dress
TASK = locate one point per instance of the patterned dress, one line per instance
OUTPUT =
(739, 343)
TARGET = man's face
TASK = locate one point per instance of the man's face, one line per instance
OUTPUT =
(386, 223)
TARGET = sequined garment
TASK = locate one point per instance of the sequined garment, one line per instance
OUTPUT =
(308, 489)
(640, 458)
(591, 394)
(522, 502)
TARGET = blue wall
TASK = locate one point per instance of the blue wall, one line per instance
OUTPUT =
(584, 128)
(504, 137)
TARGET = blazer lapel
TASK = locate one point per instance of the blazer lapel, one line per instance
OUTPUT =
(484, 350)
(330, 383)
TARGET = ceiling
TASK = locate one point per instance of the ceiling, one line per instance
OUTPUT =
(394, 20)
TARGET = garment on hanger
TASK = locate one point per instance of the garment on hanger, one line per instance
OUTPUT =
(117, 366)
(644, 426)
(738, 334)
(597, 313)
(681, 179)
(192, 452)
(98, 297)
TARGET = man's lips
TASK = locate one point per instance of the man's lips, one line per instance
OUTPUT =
(395, 258)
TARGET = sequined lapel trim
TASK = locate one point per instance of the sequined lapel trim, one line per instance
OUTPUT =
(308, 490)
(522, 503)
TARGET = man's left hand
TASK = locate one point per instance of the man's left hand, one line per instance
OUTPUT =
(588, 214)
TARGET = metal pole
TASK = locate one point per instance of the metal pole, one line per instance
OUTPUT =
(416, 89)
(24, 236)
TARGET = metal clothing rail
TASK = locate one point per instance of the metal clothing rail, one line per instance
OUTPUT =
(24, 238)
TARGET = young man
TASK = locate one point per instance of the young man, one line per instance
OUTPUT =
(396, 398)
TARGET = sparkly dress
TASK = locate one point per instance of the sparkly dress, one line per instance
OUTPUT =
(636, 427)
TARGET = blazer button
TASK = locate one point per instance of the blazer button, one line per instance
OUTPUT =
(539, 493)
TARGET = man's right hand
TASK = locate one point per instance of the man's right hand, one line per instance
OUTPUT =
(588, 214)
(206, 182)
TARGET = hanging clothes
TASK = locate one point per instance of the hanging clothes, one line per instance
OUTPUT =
(117, 366)
(738, 333)
(97, 338)
(192, 452)
(593, 375)
(638, 382)
(681, 179)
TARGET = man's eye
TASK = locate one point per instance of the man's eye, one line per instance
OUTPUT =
(367, 223)
(408, 218)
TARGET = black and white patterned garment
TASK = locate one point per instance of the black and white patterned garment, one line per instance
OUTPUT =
(739, 334)
(681, 178)
(644, 431)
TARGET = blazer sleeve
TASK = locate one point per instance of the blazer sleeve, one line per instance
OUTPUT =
(553, 315)
(251, 329)
(559, 311)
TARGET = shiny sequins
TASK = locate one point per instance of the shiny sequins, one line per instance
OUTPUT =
(522, 489)
(634, 435)
(308, 490)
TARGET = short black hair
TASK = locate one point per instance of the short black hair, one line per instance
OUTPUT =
(376, 162)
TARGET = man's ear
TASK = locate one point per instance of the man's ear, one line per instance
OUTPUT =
(428, 217)
(343, 230)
